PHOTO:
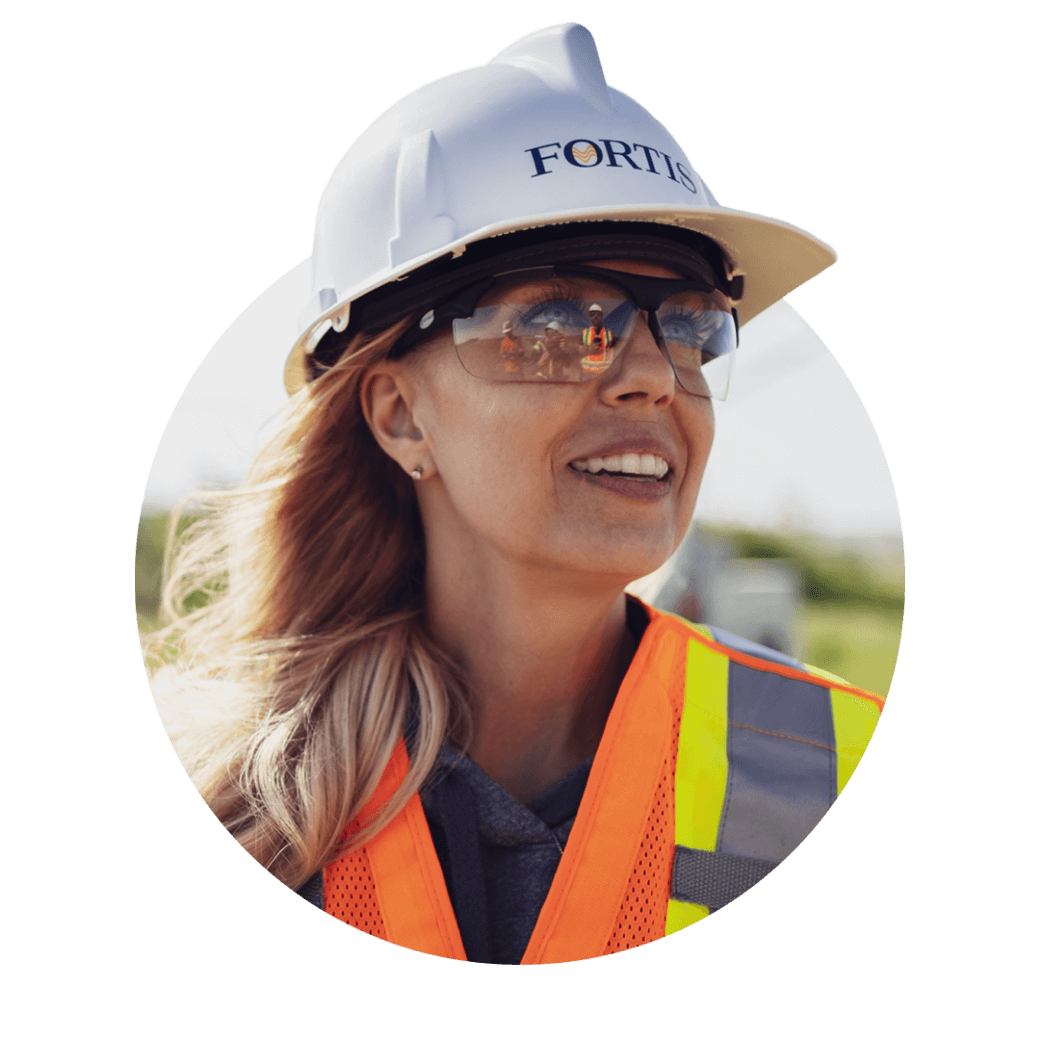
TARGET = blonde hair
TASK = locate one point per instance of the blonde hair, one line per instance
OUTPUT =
(311, 647)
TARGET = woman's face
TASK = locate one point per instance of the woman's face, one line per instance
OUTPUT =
(508, 463)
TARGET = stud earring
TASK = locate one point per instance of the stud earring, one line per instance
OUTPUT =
(417, 473)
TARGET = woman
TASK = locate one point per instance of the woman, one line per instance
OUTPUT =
(436, 712)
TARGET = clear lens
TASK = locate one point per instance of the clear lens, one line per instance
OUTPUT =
(571, 330)
(700, 336)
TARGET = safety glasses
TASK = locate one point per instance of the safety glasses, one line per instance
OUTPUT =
(570, 323)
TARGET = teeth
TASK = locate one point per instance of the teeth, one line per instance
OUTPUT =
(630, 462)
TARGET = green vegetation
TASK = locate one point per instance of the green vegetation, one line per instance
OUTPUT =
(858, 643)
(151, 549)
(829, 575)
(151, 545)
(853, 603)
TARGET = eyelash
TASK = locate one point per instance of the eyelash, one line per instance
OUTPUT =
(522, 313)
(554, 292)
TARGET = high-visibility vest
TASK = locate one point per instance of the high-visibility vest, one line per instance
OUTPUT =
(718, 758)
(509, 350)
(590, 335)
(604, 338)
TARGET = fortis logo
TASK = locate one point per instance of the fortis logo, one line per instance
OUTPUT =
(585, 154)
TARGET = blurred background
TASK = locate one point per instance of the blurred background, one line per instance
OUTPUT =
(796, 540)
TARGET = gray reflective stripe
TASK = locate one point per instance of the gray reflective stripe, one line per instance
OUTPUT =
(713, 879)
(781, 778)
(782, 763)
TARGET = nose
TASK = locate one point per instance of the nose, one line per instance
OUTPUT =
(642, 372)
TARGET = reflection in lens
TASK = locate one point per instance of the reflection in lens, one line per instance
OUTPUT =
(597, 341)
(573, 332)
(569, 337)
(509, 349)
(700, 337)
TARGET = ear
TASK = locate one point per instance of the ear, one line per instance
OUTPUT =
(387, 399)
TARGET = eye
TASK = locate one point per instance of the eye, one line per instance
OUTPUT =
(568, 313)
(695, 328)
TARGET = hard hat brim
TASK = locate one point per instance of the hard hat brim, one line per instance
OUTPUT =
(773, 257)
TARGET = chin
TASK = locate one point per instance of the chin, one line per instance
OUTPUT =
(620, 562)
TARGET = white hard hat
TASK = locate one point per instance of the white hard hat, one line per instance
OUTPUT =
(533, 139)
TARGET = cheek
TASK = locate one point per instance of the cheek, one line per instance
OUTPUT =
(700, 427)
(492, 444)
(698, 422)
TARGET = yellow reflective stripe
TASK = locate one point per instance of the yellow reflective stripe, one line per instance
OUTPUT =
(701, 768)
(854, 722)
(682, 914)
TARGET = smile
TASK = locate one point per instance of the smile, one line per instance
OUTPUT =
(630, 465)
(644, 477)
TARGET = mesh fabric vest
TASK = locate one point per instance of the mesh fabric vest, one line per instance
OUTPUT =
(717, 759)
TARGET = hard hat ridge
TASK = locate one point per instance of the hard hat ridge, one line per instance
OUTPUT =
(422, 217)
(565, 58)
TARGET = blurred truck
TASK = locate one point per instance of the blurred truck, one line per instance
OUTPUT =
(706, 582)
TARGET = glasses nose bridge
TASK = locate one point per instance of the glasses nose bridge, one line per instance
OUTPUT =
(648, 316)
(646, 305)
(645, 300)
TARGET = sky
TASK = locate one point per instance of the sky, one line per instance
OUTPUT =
(794, 446)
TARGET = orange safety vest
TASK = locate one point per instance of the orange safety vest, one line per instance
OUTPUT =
(596, 362)
(509, 351)
(590, 335)
(682, 730)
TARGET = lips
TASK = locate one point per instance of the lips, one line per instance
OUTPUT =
(646, 489)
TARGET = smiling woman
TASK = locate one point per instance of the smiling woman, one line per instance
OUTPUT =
(436, 712)
(519, 530)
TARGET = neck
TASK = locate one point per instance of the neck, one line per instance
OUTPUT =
(545, 655)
